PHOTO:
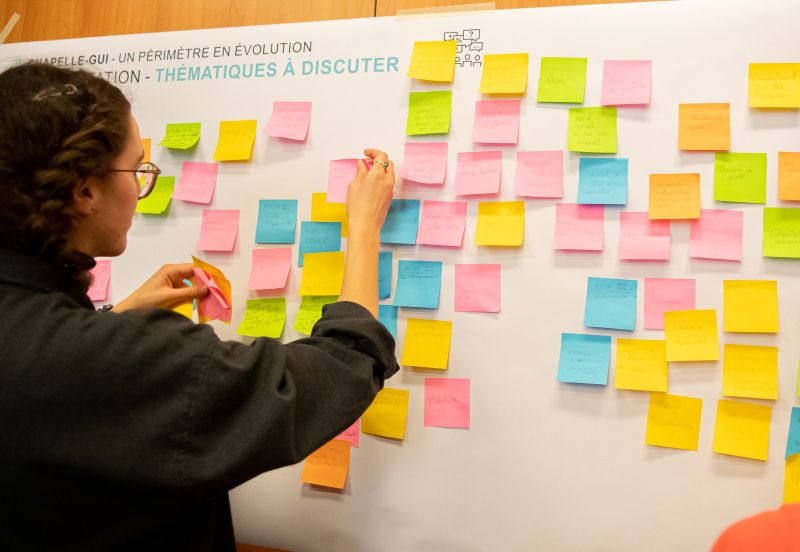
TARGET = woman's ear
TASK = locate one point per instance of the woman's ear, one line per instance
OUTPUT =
(84, 197)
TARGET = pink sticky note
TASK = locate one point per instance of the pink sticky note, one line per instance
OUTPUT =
(666, 294)
(717, 234)
(496, 122)
(579, 227)
(425, 162)
(351, 434)
(218, 230)
(341, 173)
(289, 120)
(478, 172)
(642, 239)
(197, 182)
(213, 306)
(477, 288)
(101, 275)
(626, 82)
(442, 223)
(270, 268)
(447, 402)
(539, 174)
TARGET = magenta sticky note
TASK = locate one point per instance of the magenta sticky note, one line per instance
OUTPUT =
(218, 230)
(351, 434)
(447, 402)
(539, 174)
(425, 162)
(213, 306)
(496, 122)
(666, 294)
(477, 288)
(289, 120)
(270, 268)
(101, 275)
(478, 172)
(579, 227)
(197, 182)
(341, 173)
(626, 82)
(442, 223)
(717, 234)
(642, 239)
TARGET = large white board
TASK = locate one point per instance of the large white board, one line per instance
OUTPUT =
(545, 466)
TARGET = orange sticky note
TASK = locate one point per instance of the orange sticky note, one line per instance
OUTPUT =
(789, 175)
(146, 142)
(217, 304)
(704, 127)
(328, 465)
(674, 196)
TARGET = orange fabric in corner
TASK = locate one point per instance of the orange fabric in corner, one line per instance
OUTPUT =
(772, 531)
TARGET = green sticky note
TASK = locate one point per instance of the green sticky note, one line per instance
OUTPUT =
(740, 177)
(310, 311)
(562, 80)
(429, 112)
(181, 135)
(158, 200)
(593, 129)
(263, 317)
(782, 232)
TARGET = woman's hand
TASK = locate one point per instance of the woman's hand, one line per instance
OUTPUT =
(164, 289)
(370, 194)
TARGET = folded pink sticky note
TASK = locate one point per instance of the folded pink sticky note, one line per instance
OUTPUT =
(425, 162)
(478, 172)
(351, 434)
(539, 174)
(289, 120)
(477, 288)
(666, 294)
(101, 275)
(442, 223)
(213, 306)
(270, 268)
(579, 227)
(642, 239)
(626, 82)
(341, 173)
(197, 182)
(447, 402)
(496, 122)
(717, 234)
(218, 230)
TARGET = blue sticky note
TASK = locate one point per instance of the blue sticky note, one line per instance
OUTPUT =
(610, 303)
(402, 222)
(418, 284)
(387, 315)
(603, 181)
(793, 443)
(584, 358)
(277, 220)
(384, 274)
(319, 237)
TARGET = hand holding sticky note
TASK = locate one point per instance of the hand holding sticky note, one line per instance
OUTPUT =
(216, 305)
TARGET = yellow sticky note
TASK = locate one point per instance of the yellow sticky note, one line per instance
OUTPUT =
(791, 480)
(704, 127)
(212, 307)
(328, 465)
(789, 175)
(235, 140)
(641, 365)
(691, 335)
(146, 142)
(186, 309)
(433, 61)
(263, 317)
(504, 74)
(775, 85)
(500, 223)
(427, 343)
(322, 273)
(751, 306)
(673, 421)
(674, 196)
(750, 371)
(387, 414)
(742, 429)
(322, 211)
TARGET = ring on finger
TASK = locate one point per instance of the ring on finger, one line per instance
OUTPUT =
(384, 164)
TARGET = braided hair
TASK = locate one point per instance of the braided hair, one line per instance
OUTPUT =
(57, 128)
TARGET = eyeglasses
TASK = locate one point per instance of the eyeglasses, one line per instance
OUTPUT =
(146, 175)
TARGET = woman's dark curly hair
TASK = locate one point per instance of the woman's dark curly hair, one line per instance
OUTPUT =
(57, 128)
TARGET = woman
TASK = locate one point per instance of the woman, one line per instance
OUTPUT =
(125, 430)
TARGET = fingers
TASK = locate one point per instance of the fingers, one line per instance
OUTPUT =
(376, 155)
(186, 293)
(361, 169)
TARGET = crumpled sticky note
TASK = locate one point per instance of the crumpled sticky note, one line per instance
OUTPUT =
(217, 304)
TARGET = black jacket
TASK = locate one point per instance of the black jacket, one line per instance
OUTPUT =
(125, 431)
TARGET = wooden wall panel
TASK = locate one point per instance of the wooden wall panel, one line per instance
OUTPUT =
(391, 7)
